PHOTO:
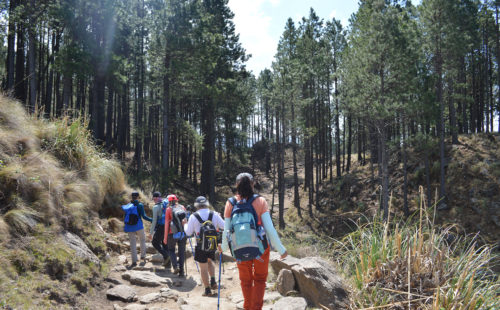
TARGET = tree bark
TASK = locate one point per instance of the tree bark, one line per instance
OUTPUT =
(11, 41)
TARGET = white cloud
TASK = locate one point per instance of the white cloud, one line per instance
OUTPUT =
(254, 26)
(332, 14)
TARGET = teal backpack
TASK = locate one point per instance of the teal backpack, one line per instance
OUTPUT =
(247, 239)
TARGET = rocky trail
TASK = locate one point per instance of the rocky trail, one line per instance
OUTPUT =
(293, 284)
(152, 286)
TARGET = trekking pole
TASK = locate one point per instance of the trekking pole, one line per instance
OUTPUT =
(218, 293)
(192, 252)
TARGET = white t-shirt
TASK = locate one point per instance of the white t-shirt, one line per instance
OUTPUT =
(193, 225)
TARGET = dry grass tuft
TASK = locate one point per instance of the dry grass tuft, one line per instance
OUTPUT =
(52, 178)
(22, 221)
(415, 265)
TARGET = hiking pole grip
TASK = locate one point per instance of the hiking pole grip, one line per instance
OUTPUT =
(218, 293)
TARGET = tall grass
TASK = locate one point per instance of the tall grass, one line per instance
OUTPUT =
(52, 178)
(416, 265)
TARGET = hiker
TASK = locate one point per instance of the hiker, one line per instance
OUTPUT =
(134, 213)
(175, 218)
(246, 232)
(205, 223)
(158, 228)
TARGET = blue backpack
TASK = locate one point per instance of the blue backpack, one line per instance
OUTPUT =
(164, 206)
(247, 239)
(131, 214)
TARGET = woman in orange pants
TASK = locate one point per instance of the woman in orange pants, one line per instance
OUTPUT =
(253, 273)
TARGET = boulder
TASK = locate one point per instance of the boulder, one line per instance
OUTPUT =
(277, 264)
(144, 278)
(122, 292)
(285, 282)
(149, 298)
(169, 294)
(290, 303)
(80, 248)
(320, 284)
(270, 297)
(157, 259)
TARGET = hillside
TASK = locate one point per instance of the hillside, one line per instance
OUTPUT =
(54, 184)
(473, 188)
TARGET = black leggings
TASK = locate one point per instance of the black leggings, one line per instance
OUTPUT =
(158, 241)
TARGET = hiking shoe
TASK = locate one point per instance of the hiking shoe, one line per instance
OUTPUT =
(134, 264)
(176, 270)
(208, 292)
(213, 283)
(181, 274)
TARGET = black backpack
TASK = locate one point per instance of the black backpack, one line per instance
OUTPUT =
(178, 215)
(208, 234)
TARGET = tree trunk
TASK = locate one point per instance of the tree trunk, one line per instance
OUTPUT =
(208, 154)
(11, 41)
(32, 59)
(349, 142)
(453, 119)
(20, 87)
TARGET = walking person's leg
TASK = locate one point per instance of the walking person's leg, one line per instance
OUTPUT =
(259, 280)
(245, 270)
(157, 243)
(142, 238)
(133, 246)
(181, 248)
(211, 271)
(171, 251)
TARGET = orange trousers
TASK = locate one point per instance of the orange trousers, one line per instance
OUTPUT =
(253, 276)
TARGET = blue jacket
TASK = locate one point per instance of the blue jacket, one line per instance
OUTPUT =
(142, 215)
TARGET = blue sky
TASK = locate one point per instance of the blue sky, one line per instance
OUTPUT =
(260, 23)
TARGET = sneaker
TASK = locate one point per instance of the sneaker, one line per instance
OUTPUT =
(176, 270)
(134, 264)
(181, 274)
(213, 283)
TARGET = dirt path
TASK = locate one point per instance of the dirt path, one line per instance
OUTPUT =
(170, 291)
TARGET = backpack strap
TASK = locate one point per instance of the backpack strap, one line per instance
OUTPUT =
(210, 215)
(233, 201)
(198, 217)
(251, 199)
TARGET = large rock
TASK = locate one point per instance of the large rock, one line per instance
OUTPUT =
(270, 297)
(320, 284)
(277, 263)
(290, 303)
(285, 282)
(149, 298)
(169, 294)
(80, 248)
(144, 278)
(122, 292)
(157, 259)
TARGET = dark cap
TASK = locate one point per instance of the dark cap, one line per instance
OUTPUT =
(135, 194)
(156, 194)
(244, 175)
(201, 202)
